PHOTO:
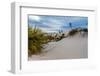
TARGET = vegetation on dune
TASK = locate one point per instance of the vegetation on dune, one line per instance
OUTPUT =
(85, 30)
(72, 32)
(77, 30)
(60, 37)
(36, 39)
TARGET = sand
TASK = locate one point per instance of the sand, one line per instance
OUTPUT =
(67, 48)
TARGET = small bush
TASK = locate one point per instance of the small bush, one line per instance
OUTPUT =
(85, 29)
(72, 32)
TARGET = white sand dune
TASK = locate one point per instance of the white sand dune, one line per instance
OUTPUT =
(67, 48)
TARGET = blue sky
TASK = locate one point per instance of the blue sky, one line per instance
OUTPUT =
(56, 23)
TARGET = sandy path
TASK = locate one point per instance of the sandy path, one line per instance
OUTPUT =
(67, 48)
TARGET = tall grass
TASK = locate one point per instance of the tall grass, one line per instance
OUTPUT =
(36, 39)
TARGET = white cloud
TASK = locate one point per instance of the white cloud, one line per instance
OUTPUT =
(56, 23)
(36, 18)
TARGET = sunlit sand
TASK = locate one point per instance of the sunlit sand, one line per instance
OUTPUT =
(68, 48)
